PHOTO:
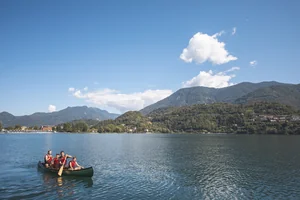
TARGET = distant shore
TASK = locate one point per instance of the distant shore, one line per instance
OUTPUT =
(138, 133)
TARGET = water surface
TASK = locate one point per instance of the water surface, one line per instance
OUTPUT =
(154, 166)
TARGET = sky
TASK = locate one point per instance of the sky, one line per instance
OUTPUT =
(125, 55)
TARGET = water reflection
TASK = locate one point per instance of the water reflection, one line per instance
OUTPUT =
(65, 186)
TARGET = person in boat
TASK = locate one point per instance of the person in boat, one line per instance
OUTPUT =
(56, 161)
(73, 165)
(48, 159)
(63, 158)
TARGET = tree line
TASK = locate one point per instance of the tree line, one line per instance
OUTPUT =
(256, 118)
(78, 126)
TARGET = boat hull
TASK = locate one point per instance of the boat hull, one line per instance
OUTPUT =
(86, 172)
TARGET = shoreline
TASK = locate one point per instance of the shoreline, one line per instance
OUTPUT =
(148, 133)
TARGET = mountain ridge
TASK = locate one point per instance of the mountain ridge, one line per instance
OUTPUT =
(57, 117)
(206, 95)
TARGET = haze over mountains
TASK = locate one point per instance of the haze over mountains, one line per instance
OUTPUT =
(54, 118)
(240, 93)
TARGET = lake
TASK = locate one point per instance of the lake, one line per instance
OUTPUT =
(154, 166)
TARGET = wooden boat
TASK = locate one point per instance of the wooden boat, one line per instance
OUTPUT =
(86, 172)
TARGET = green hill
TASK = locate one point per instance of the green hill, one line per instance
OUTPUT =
(204, 95)
(256, 118)
(284, 94)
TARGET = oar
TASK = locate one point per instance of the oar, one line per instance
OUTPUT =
(62, 168)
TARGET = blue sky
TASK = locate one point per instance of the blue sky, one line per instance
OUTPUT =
(127, 54)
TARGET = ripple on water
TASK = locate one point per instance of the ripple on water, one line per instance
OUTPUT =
(155, 167)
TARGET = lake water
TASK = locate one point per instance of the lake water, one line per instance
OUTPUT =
(154, 166)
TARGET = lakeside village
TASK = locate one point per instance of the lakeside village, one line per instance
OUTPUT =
(273, 119)
(50, 129)
(20, 129)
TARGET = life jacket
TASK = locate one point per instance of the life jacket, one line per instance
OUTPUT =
(63, 159)
(72, 164)
(56, 162)
(49, 158)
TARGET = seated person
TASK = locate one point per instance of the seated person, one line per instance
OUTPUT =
(73, 165)
(56, 162)
(48, 158)
(63, 158)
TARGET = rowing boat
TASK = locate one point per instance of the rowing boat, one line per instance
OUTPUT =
(86, 172)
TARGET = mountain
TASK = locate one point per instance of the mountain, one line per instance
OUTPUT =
(54, 118)
(205, 95)
(284, 94)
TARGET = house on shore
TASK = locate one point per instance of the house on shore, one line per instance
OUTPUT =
(46, 128)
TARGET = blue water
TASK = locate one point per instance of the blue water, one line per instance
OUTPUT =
(154, 166)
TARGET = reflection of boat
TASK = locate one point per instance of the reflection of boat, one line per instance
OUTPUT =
(65, 186)
(86, 172)
(53, 180)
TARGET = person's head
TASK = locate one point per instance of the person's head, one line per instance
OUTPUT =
(49, 152)
(57, 155)
(74, 158)
(62, 153)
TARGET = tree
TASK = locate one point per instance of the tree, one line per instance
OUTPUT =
(100, 129)
(80, 126)
(67, 127)
(18, 127)
(10, 128)
(1, 126)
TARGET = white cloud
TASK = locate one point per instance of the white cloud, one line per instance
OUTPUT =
(85, 89)
(253, 63)
(218, 34)
(77, 94)
(71, 89)
(51, 108)
(232, 69)
(203, 47)
(120, 101)
(233, 31)
(210, 79)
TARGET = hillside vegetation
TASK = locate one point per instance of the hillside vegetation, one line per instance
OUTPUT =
(240, 93)
(257, 118)
(285, 94)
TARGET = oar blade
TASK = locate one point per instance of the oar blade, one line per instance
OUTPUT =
(60, 170)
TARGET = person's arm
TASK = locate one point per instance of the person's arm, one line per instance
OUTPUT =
(78, 165)
(70, 165)
(69, 156)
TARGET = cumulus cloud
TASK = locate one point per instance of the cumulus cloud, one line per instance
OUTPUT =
(233, 31)
(51, 108)
(85, 89)
(121, 101)
(203, 47)
(211, 79)
(253, 63)
(71, 89)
